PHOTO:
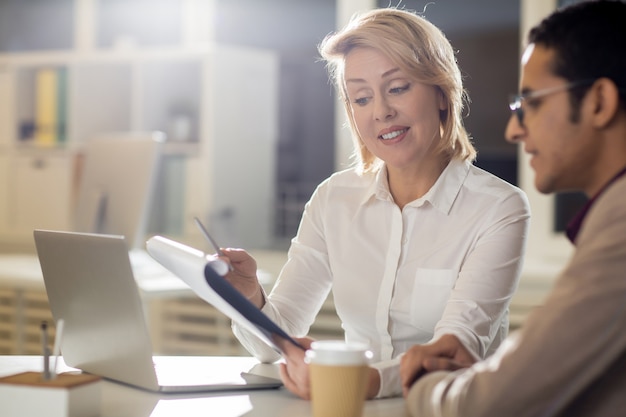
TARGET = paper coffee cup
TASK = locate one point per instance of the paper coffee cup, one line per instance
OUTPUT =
(339, 377)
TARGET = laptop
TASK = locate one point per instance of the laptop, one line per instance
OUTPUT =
(90, 285)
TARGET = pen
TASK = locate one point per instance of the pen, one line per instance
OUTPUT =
(211, 240)
(56, 352)
(45, 350)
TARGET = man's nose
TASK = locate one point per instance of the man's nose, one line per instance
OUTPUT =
(514, 132)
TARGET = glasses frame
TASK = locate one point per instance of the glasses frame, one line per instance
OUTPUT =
(516, 101)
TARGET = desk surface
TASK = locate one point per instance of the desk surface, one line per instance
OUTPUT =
(122, 401)
(22, 271)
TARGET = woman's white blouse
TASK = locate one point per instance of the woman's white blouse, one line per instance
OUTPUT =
(449, 262)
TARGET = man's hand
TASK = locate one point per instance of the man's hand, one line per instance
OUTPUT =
(447, 353)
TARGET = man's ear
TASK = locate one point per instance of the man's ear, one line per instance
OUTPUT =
(604, 96)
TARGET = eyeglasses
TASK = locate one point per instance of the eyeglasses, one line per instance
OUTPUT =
(516, 101)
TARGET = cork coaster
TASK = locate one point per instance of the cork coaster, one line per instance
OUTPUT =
(64, 380)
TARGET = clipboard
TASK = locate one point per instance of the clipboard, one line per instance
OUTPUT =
(198, 270)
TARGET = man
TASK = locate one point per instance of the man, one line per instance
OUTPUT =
(569, 359)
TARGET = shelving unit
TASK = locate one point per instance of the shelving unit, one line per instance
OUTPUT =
(21, 314)
(180, 323)
(123, 77)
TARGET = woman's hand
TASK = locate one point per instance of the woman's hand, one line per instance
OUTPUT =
(447, 353)
(243, 275)
(295, 372)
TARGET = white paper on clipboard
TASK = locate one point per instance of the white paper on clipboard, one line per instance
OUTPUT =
(189, 265)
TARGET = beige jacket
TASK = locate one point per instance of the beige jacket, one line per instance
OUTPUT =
(569, 359)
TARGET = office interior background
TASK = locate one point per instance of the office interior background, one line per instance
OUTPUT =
(484, 32)
(249, 113)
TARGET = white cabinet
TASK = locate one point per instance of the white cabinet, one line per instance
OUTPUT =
(40, 192)
(217, 104)
(35, 192)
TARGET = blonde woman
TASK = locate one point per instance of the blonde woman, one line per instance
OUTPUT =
(418, 246)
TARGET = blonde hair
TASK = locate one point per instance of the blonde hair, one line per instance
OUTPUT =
(421, 50)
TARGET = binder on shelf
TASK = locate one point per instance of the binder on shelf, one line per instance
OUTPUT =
(61, 127)
(46, 106)
(50, 106)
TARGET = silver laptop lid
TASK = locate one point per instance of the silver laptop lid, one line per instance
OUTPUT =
(90, 286)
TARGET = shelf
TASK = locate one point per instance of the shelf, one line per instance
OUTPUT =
(123, 54)
(140, 22)
(119, 78)
(49, 25)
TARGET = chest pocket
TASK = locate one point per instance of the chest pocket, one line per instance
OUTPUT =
(431, 291)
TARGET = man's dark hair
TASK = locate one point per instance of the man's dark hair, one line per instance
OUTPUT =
(589, 41)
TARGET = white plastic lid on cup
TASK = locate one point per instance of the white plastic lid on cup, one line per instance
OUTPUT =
(338, 352)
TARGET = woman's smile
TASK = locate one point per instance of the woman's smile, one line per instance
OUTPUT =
(393, 134)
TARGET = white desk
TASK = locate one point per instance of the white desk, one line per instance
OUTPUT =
(122, 401)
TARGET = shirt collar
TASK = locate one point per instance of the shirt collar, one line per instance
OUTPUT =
(575, 225)
(441, 195)
(379, 188)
